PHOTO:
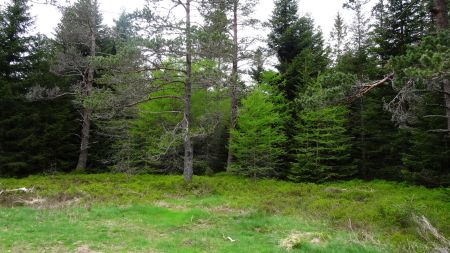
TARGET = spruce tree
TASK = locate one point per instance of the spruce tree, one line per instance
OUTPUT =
(338, 37)
(258, 140)
(34, 137)
(322, 146)
(399, 23)
(15, 46)
(283, 17)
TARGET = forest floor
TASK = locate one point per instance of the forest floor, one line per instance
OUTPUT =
(147, 213)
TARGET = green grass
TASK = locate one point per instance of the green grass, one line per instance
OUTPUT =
(147, 213)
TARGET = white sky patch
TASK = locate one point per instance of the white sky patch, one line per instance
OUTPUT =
(322, 11)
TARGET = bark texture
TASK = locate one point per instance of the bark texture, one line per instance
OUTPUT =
(87, 89)
(234, 81)
(440, 16)
(188, 170)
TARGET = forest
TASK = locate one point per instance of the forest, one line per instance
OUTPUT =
(186, 96)
(162, 93)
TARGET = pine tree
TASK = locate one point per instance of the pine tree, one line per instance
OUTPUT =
(322, 146)
(258, 139)
(360, 25)
(283, 17)
(338, 37)
(258, 61)
(399, 23)
(302, 56)
(123, 29)
(15, 44)
(34, 137)
(77, 37)
(421, 105)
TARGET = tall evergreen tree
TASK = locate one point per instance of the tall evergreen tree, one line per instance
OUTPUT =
(283, 17)
(360, 25)
(322, 146)
(338, 37)
(15, 44)
(34, 137)
(77, 36)
(399, 23)
(322, 143)
(302, 56)
(258, 139)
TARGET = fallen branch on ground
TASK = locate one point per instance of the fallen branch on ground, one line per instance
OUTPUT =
(23, 189)
(425, 229)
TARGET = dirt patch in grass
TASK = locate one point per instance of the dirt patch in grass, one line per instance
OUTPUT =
(164, 204)
(296, 239)
(38, 202)
(224, 209)
(85, 249)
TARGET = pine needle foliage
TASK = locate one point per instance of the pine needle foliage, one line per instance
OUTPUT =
(257, 141)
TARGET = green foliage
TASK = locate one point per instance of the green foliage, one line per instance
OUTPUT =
(258, 139)
(328, 89)
(322, 146)
(151, 135)
(429, 59)
(338, 37)
(308, 57)
(420, 84)
(15, 45)
(399, 23)
(280, 40)
(164, 214)
(34, 137)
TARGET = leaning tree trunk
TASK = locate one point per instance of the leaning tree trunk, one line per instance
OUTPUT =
(86, 125)
(234, 83)
(440, 16)
(86, 114)
(188, 148)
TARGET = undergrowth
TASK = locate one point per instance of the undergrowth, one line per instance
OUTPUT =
(165, 214)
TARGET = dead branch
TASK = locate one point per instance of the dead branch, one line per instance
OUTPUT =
(435, 116)
(431, 234)
(152, 98)
(369, 86)
(162, 112)
(439, 131)
(23, 189)
(38, 93)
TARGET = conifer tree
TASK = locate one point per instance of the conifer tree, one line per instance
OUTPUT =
(34, 137)
(322, 146)
(322, 142)
(258, 139)
(338, 37)
(77, 36)
(399, 23)
(283, 17)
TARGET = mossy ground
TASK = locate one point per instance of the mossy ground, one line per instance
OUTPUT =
(148, 213)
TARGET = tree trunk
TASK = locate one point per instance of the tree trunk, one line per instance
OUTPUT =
(446, 84)
(85, 129)
(234, 82)
(363, 139)
(440, 16)
(188, 148)
(82, 158)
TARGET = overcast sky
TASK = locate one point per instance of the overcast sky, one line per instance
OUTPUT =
(322, 11)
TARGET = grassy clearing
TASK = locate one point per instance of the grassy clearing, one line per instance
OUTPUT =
(147, 213)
